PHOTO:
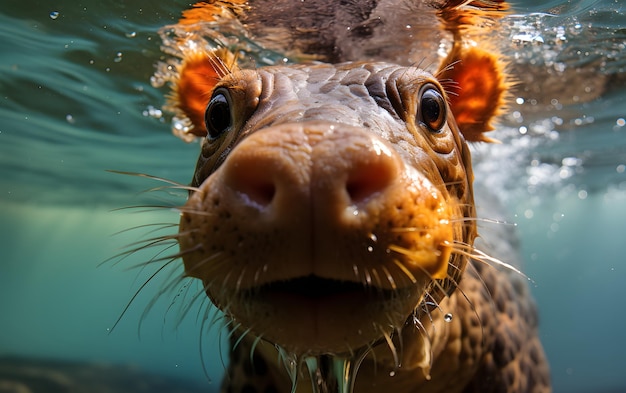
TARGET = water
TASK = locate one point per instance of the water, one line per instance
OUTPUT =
(76, 100)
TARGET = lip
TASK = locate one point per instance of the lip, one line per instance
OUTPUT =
(317, 295)
(313, 287)
(313, 314)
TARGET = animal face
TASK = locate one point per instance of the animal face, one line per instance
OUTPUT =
(329, 202)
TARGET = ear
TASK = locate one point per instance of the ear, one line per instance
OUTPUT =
(476, 90)
(476, 81)
(198, 73)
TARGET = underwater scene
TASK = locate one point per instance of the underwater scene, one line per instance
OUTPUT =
(84, 291)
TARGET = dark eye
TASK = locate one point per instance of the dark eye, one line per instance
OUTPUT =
(218, 117)
(432, 110)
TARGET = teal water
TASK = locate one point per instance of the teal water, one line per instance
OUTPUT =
(76, 100)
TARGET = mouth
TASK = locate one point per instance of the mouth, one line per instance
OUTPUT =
(316, 314)
(316, 294)
(313, 287)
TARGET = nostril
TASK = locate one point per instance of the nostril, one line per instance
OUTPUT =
(263, 193)
(367, 180)
(259, 192)
(252, 181)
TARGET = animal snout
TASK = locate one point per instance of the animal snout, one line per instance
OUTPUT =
(324, 168)
(316, 199)
(308, 221)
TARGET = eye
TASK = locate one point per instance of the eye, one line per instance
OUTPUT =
(432, 110)
(218, 116)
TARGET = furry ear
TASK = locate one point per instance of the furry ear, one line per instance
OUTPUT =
(480, 91)
(476, 76)
(198, 73)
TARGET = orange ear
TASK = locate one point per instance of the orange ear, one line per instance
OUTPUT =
(476, 75)
(198, 74)
(480, 89)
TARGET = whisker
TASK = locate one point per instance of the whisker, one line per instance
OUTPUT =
(447, 68)
(187, 304)
(355, 270)
(233, 334)
(178, 298)
(190, 211)
(240, 279)
(405, 270)
(218, 317)
(446, 292)
(483, 220)
(213, 258)
(173, 282)
(120, 257)
(154, 240)
(412, 254)
(478, 255)
(161, 259)
(155, 258)
(430, 304)
(240, 338)
(210, 321)
(151, 177)
(368, 277)
(473, 307)
(160, 226)
(148, 208)
(389, 278)
(137, 294)
(428, 344)
(171, 187)
(392, 348)
(377, 277)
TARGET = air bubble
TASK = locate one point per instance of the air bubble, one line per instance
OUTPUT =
(132, 34)
(153, 112)
(447, 317)
(54, 15)
(118, 57)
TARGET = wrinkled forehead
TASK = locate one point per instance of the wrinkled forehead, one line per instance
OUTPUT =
(404, 107)
(376, 96)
